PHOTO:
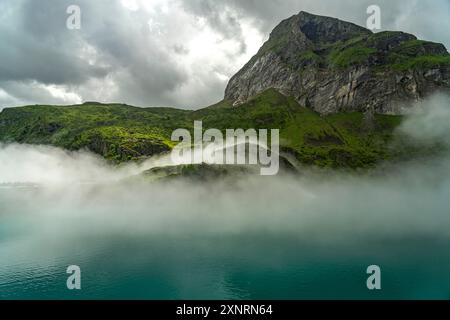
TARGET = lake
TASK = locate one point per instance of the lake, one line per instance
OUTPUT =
(129, 246)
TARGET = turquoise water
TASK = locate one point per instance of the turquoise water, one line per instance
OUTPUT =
(251, 267)
(36, 247)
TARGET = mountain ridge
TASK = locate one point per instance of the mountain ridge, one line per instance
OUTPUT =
(122, 133)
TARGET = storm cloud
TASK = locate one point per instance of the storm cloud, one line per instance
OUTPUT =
(161, 52)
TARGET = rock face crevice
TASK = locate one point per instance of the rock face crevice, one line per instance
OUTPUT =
(334, 66)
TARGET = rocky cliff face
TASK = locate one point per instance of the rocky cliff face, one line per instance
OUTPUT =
(334, 66)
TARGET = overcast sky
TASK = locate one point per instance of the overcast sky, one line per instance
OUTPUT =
(177, 53)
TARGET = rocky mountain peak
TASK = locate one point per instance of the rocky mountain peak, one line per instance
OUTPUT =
(331, 66)
(320, 29)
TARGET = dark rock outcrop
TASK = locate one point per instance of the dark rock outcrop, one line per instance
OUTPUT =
(334, 66)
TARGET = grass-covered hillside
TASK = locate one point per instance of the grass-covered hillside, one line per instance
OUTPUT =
(121, 132)
(117, 132)
(388, 50)
(340, 140)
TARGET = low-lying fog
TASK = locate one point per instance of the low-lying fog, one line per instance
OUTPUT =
(79, 194)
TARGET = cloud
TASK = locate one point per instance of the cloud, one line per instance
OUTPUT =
(162, 52)
(51, 166)
(426, 20)
(429, 121)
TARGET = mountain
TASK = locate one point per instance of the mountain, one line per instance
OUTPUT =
(334, 66)
(331, 87)
(121, 133)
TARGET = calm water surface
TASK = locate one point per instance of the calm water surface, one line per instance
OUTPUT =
(247, 265)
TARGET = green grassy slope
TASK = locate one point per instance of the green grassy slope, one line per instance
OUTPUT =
(342, 140)
(120, 132)
(383, 51)
(117, 132)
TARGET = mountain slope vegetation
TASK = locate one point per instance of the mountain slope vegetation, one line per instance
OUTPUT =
(122, 133)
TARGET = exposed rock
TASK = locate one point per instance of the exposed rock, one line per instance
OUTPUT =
(335, 66)
(127, 149)
(201, 172)
(205, 172)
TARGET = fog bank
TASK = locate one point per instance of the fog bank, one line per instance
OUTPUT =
(406, 200)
